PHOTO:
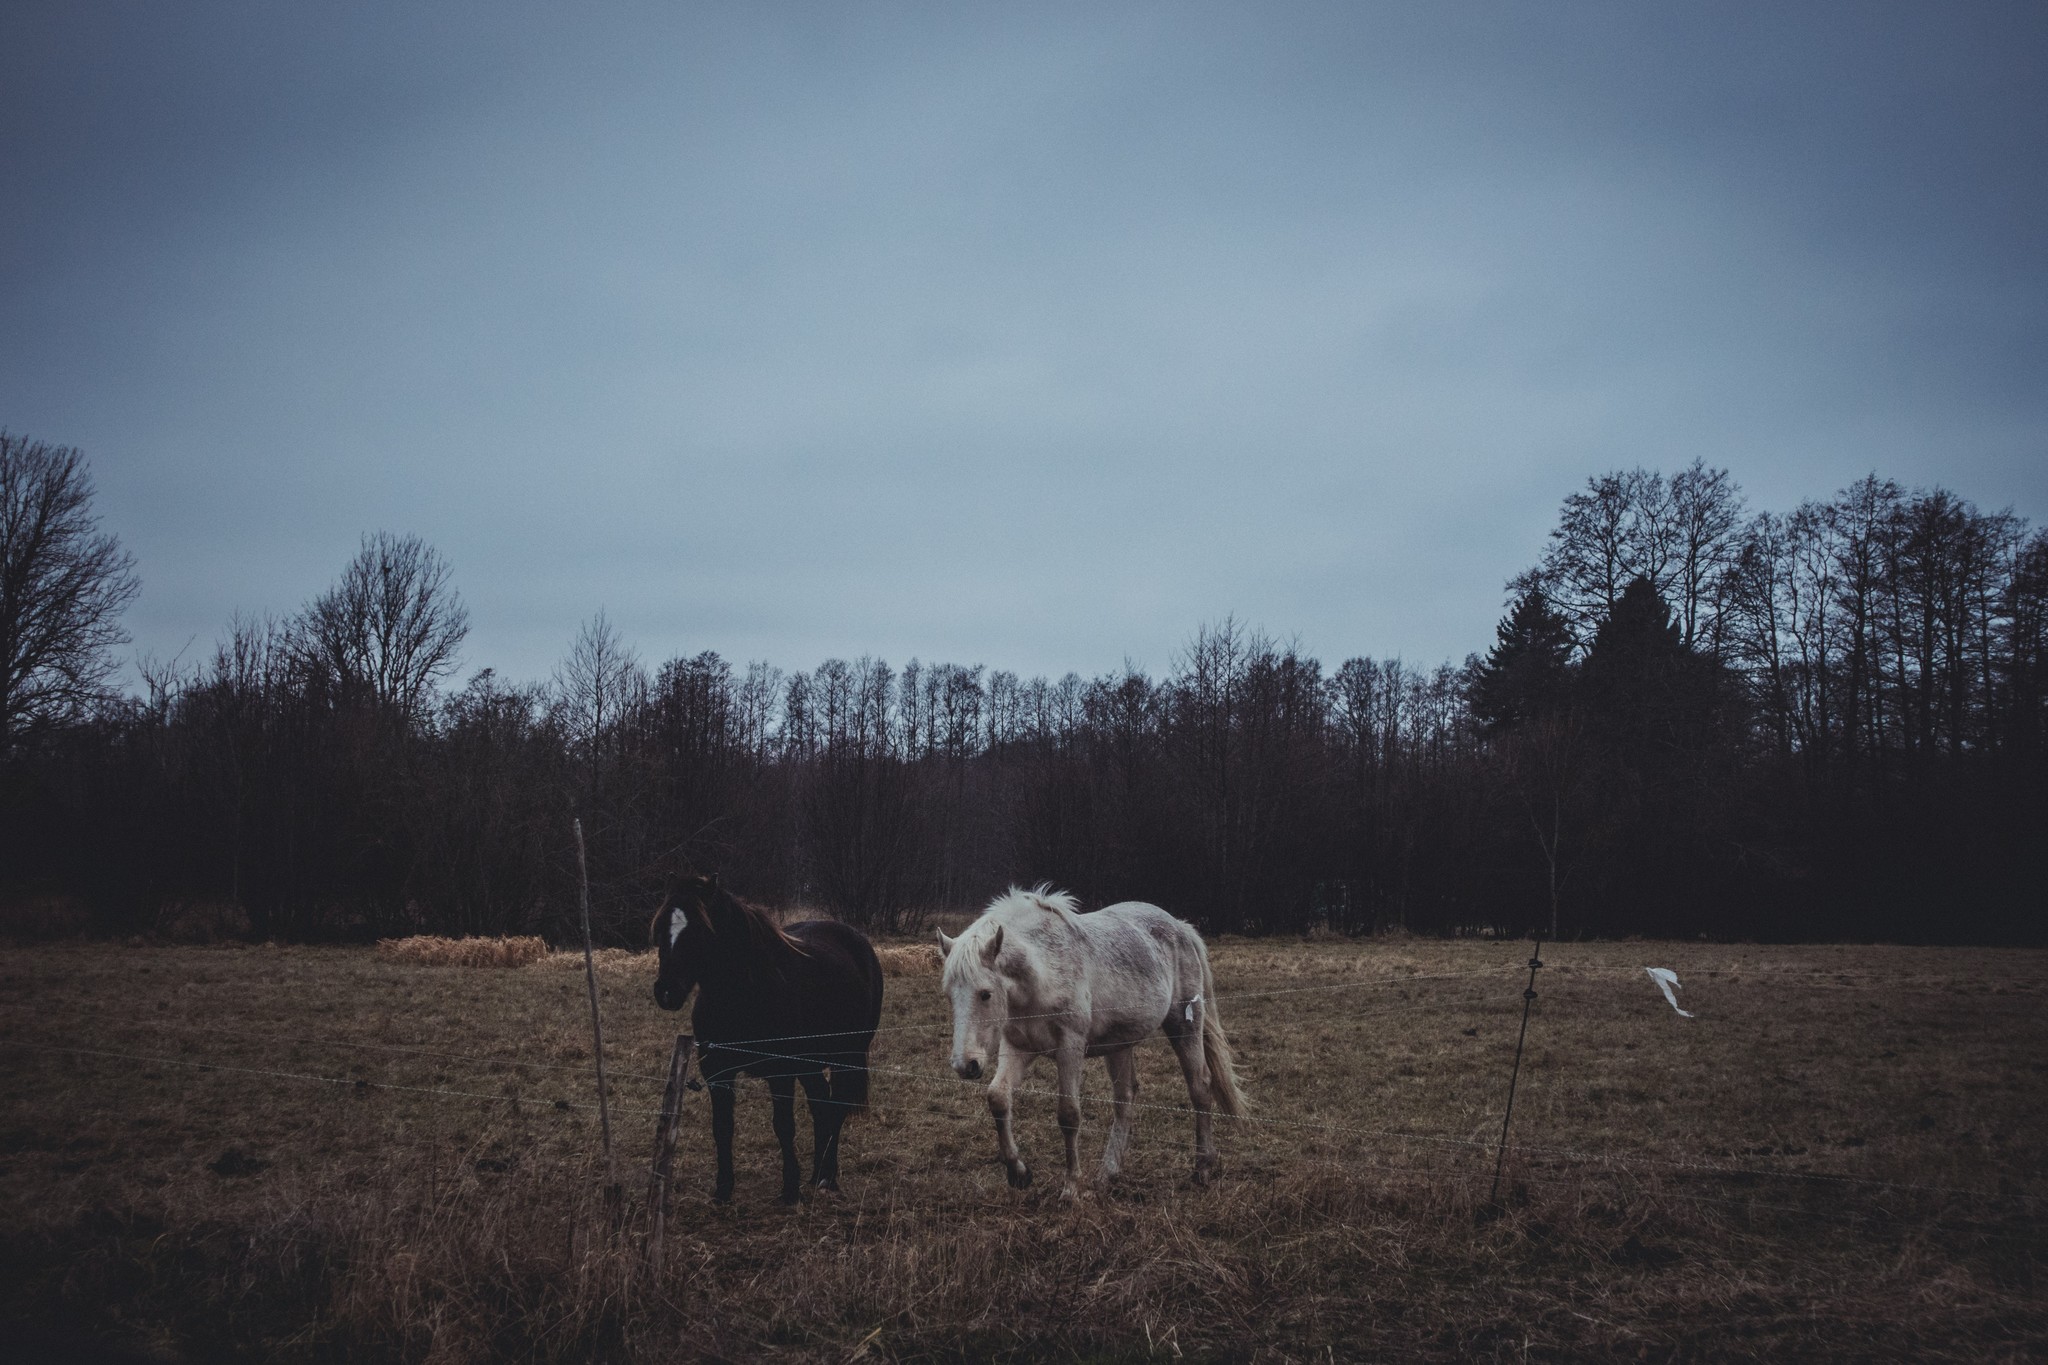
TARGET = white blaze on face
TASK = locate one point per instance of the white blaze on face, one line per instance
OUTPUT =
(963, 1020)
(977, 1022)
(677, 922)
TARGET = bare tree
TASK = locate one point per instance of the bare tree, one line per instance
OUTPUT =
(1614, 530)
(1862, 530)
(1680, 533)
(2025, 626)
(1003, 711)
(913, 717)
(1705, 517)
(860, 814)
(759, 697)
(1548, 763)
(389, 630)
(953, 704)
(595, 686)
(237, 693)
(63, 585)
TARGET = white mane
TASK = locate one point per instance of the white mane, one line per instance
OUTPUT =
(1041, 897)
(1017, 910)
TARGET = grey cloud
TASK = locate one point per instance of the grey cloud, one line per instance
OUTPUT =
(1033, 336)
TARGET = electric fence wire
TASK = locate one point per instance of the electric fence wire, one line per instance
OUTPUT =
(1146, 1142)
(1607, 1158)
(1572, 1154)
(927, 1026)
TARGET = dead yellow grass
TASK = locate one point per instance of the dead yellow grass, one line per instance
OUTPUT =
(608, 961)
(910, 959)
(312, 1154)
(429, 950)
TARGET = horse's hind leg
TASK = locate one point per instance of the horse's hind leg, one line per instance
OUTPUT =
(782, 1089)
(826, 1118)
(1123, 1080)
(1187, 1045)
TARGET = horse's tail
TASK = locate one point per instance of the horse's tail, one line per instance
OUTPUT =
(1216, 1050)
(850, 1071)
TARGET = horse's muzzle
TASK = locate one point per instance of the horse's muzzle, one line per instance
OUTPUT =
(969, 1070)
(669, 995)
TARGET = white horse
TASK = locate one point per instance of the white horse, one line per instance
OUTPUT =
(1032, 978)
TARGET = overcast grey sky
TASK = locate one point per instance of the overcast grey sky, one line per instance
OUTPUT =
(1033, 335)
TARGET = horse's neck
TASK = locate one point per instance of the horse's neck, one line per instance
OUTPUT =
(1045, 989)
(749, 960)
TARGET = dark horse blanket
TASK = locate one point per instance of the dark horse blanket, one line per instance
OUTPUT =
(794, 1006)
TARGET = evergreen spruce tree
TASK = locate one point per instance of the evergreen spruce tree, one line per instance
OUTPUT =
(1527, 673)
(1651, 697)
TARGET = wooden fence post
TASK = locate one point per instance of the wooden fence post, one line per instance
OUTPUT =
(665, 1129)
(1528, 999)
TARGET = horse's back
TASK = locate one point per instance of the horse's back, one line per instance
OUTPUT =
(845, 975)
(1144, 962)
(1147, 916)
(1174, 935)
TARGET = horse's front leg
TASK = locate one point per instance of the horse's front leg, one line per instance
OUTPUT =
(1010, 1068)
(782, 1090)
(1123, 1081)
(721, 1135)
(1070, 1058)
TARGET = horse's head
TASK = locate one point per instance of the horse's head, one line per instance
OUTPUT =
(981, 998)
(685, 937)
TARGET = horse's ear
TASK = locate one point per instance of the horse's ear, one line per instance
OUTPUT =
(946, 944)
(993, 946)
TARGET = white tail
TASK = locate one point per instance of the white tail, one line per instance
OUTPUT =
(1216, 1051)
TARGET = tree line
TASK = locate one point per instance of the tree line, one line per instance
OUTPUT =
(1695, 719)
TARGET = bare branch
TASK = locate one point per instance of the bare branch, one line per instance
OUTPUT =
(63, 586)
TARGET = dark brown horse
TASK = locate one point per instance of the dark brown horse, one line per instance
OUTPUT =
(795, 1005)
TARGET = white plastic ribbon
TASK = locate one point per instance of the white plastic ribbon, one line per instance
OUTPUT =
(1189, 1013)
(1667, 981)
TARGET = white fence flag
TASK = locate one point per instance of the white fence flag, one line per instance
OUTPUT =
(1667, 981)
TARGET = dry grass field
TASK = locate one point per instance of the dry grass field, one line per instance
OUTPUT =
(325, 1154)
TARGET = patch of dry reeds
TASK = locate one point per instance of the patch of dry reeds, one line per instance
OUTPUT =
(910, 959)
(431, 950)
(608, 961)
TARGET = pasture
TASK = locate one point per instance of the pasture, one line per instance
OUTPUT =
(324, 1154)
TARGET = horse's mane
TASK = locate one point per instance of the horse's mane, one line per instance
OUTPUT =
(1040, 897)
(762, 926)
(1017, 909)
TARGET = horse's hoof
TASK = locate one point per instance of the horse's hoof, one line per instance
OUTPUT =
(722, 1197)
(1020, 1177)
(789, 1199)
(830, 1187)
(1070, 1194)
